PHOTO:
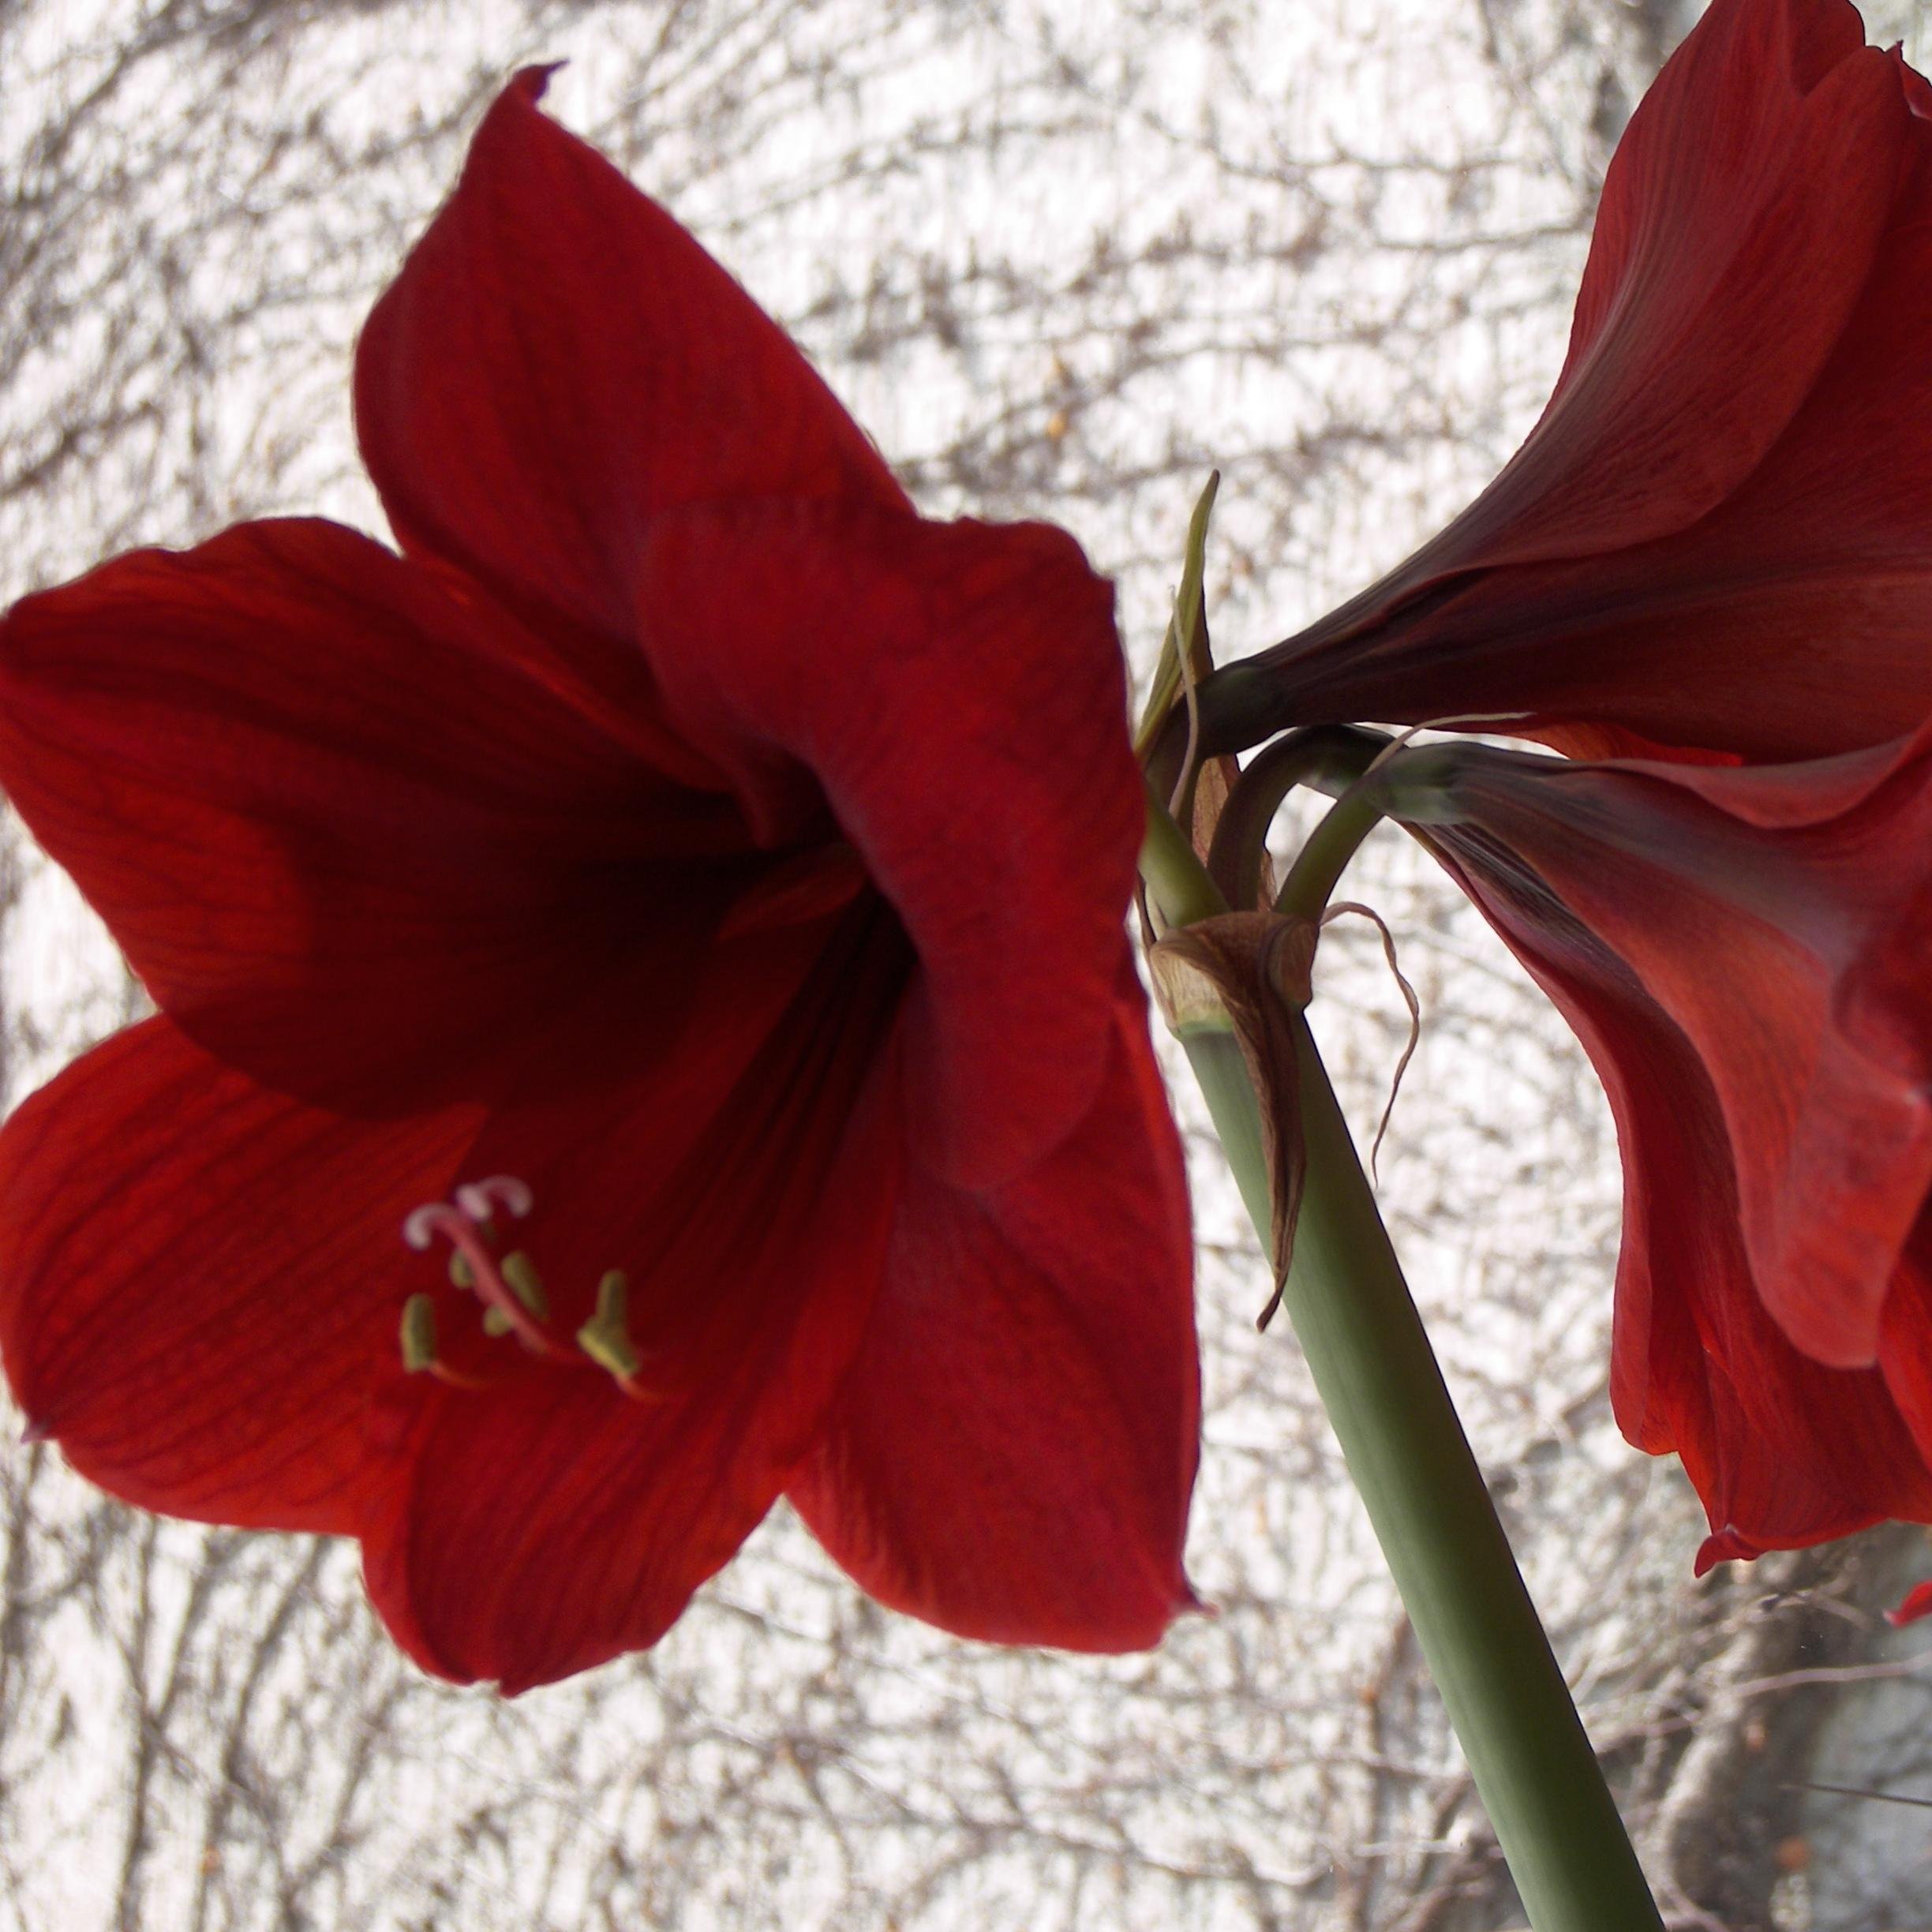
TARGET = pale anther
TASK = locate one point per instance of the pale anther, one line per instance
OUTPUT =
(520, 1278)
(419, 1333)
(605, 1338)
(518, 1270)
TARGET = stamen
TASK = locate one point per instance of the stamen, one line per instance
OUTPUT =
(459, 1227)
(606, 1337)
(514, 1300)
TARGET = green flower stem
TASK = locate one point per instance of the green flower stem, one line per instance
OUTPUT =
(1330, 758)
(1319, 864)
(1176, 880)
(1378, 1378)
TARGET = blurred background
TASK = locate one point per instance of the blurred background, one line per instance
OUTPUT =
(1060, 257)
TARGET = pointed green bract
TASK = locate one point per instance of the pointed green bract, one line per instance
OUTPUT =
(1181, 663)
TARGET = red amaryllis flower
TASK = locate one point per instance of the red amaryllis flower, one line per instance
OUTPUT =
(1719, 536)
(1742, 951)
(682, 892)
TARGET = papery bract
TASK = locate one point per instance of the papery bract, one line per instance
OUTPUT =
(1741, 951)
(702, 878)
(1250, 971)
(1718, 538)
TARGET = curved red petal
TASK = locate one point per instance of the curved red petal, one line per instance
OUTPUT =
(743, 1178)
(956, 691)
(1715, 538)
(1905, 1337)
(1916, 1604)
(559, 363)
(1769, 920)
(553, 1527)
(335, 817)
(1012, 1456)
(1783, 1450)
(200, 1282)
(1719, 280)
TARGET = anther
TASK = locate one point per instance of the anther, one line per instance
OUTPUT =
(419, 1345)
(606, 1337)
(419, 1333)
(520, 1276)
(520, 1304)
(517, 1270)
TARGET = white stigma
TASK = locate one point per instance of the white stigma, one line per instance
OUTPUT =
(479, 1198)
(420, 1229)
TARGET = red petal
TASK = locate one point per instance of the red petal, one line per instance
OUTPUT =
(1905, 1337)
(338, 824)
(560, 363)
(956, 691)
(202, 1282)
(1784, 1451)
(1719, 279)
(1772, 920)
(1722, 1279)
(743, 1176)
(1715, 537)
(560, 1524)
(1918, 1604)
(1012, 1455)
(199, 1282)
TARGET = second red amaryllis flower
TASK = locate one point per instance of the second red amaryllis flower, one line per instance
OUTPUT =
(683, 893)
(1741, 951)
(1719, 536)
(1712, 551)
